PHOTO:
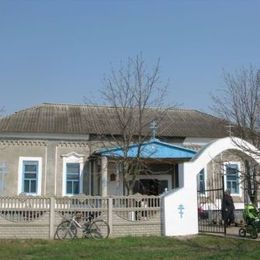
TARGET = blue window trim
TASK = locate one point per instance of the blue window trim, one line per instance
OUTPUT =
(73, 182)
(30, 162)
(72, 158)
(230, 181)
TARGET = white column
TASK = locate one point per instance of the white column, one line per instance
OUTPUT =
(103, 176)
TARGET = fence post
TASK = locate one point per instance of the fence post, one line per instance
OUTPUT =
(52, 218)
(162, 214)
(110, 214)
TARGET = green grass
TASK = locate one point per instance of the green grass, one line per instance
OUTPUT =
(198, 247)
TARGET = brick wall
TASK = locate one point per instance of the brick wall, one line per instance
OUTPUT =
(37, 228)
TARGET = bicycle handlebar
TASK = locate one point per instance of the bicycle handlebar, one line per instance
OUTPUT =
(79, 215)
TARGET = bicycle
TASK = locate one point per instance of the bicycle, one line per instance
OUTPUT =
(94, 228)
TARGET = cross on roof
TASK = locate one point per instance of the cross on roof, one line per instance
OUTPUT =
(153, 127)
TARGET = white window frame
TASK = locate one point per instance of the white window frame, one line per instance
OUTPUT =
(21, 177)
(239, 176)
(72, 158)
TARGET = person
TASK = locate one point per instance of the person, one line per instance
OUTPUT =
(228, 209)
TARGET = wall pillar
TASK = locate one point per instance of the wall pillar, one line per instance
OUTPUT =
(104, 165)
(52, 218)
(180, 213)
(110, 214)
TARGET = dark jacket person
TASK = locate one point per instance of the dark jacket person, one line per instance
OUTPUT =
(228, 208)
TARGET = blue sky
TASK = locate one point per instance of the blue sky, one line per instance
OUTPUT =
(59, 51)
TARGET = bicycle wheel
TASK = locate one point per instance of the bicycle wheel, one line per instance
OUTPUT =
(99, 229)
(66, 230)
(254, 234)
(242, 232)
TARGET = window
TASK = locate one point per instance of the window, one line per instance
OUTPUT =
(201, 182)
(30, 172)
(3, 173)
(72, 178)
(29, 180)
(232, 177)
(72, 174)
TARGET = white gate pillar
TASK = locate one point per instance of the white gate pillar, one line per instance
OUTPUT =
(104, 165)
(180, 213)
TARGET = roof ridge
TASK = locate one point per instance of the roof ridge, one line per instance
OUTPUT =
(104, 106)
(110, 106)
(156, 140)
(77, 105)
(19, 111)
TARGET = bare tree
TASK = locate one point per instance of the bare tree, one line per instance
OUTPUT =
(136, 97)
(239, 104)
(2, 110)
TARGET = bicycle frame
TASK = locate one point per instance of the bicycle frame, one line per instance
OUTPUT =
(96, 229)
(77, 224)
(85, 224)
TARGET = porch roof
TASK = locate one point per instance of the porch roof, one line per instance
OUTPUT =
(154, 149)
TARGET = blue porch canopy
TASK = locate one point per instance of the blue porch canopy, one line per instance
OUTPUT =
(153, 149)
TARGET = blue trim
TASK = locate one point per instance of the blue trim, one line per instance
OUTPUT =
(34, 163)
(151, 149)
(232, 178)
(73, 181)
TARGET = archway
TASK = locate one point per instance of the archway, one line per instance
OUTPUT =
(181, 205)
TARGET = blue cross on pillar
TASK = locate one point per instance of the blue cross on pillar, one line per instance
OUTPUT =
(153, 127)
(181, 208)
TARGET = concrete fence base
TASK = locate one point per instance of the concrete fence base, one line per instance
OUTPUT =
(37, 217)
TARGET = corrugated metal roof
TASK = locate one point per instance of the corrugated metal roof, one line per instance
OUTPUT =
(84, 119)
(151, 149)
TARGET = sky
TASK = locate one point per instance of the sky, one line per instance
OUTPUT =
(59, 51)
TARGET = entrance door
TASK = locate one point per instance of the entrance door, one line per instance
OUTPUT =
(151, 186)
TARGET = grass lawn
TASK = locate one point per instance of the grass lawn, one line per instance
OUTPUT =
(198, 247)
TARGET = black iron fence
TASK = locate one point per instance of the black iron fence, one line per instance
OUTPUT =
(209, 207)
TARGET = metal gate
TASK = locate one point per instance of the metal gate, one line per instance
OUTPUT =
(209, 205)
